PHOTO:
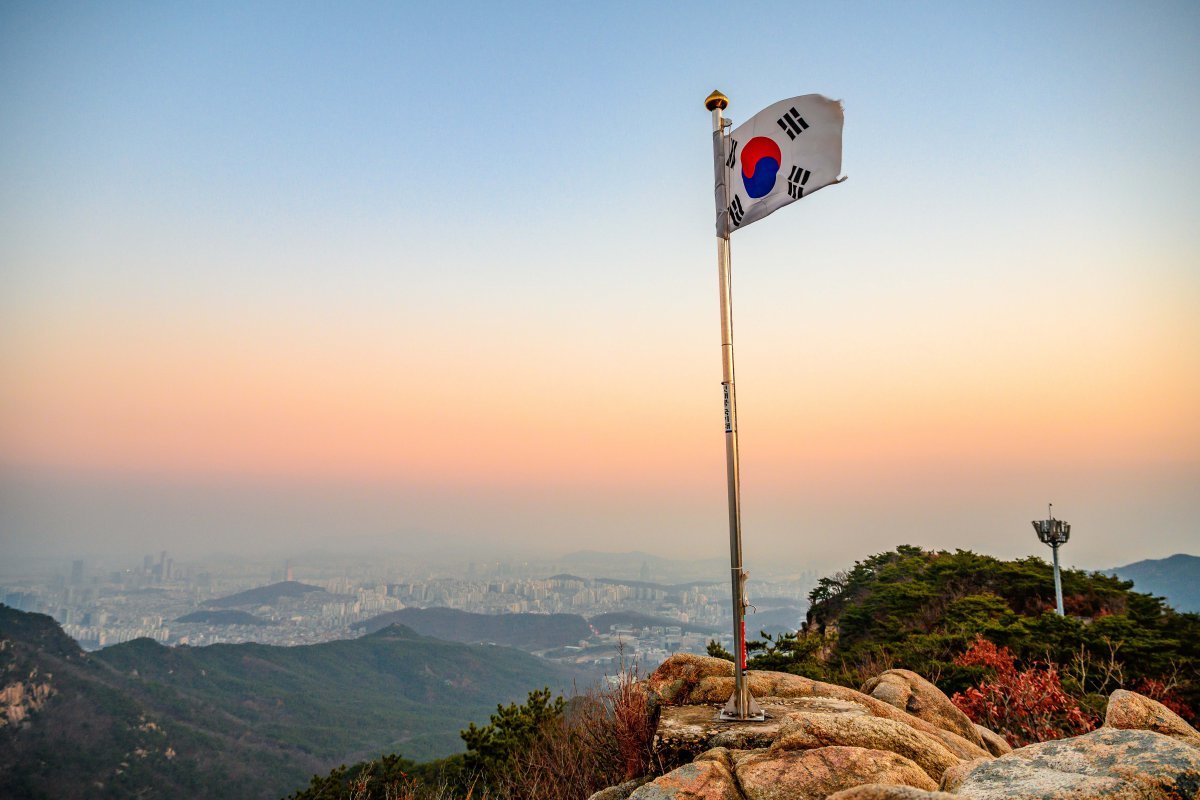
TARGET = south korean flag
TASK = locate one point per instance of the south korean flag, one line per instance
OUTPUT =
(784, 152)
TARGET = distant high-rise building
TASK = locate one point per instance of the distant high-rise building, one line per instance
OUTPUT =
(290, 575)
(76, 572)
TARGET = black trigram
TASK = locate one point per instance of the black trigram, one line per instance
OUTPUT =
(796, 180)
(736, 212)
(729, 162)
(792, 123)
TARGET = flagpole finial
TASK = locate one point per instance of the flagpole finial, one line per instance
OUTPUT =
(716, 100)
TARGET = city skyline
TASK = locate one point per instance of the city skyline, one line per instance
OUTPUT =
(275, 279)
(202, 603)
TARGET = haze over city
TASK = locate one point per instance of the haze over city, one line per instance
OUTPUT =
(441, 278)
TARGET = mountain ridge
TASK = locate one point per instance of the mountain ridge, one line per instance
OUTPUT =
(237, 720)
(523, 631)
(223, 616)
(263, 595)
(1175, 578)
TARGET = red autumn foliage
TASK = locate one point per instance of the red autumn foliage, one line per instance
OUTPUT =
(1023, 706)
(985, 653)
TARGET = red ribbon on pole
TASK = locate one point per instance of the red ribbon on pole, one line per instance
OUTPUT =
(742, 645)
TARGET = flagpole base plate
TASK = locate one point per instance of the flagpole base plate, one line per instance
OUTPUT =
(731, 716)
(753, 712)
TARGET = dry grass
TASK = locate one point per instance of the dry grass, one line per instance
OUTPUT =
(605, 738)
(411, 789)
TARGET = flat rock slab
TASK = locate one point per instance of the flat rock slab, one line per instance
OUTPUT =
(685, 732)
(1106, 763)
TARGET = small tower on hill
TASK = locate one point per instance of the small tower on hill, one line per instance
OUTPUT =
(1055, 533)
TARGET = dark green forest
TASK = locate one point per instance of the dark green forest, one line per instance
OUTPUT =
(921, 610)
(238, 721)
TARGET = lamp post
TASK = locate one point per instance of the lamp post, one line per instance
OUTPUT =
(1055, 533)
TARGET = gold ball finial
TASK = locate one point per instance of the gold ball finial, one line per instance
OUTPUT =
(716, 100)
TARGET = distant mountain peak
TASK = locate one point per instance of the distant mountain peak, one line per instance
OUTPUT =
(1175, 578)
(525, 631)
(395, 631)
(1178, 558)
(264, 595)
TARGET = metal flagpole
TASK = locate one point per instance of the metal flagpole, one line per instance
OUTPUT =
(741, 705)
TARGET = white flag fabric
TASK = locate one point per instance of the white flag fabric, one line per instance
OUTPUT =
(786, 151)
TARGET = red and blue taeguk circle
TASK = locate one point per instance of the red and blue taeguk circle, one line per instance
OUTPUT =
(760, 165)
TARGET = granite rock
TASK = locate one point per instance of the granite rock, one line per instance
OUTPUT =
(1106, 763)
(816, 774)
(701, 680)
(908, 691)
(701, 780)
(995, 744)
(882, 791)
(1131, 711)
(621, 791)
(805, 731)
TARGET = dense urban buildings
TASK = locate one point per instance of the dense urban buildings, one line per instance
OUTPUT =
(198, 603)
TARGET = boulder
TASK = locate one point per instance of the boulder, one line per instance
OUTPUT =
(908, 691)
(1106, 763)
(816, 774)
(720, 754)
(621, 791)
(1132, 711)
(702, 780)
(691, 679)
(675, 678)
(807, 731)
(996, 744)
(793, 686)
(882, 791)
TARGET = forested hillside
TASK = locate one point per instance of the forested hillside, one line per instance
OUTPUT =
(922, 610)
(234, 721)
(524, 631)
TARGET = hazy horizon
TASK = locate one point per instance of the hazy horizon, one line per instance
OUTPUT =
(275, 278)
(198, 521)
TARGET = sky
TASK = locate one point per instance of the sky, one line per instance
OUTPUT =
(442, 277)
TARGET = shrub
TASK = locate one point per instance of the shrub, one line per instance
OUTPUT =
(600, 738)
(1023, 706)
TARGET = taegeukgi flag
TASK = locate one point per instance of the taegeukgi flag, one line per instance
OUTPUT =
(786, 151)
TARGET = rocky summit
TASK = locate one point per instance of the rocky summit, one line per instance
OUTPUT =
(899, 739)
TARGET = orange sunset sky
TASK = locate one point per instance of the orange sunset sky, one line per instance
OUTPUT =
(271, 282)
